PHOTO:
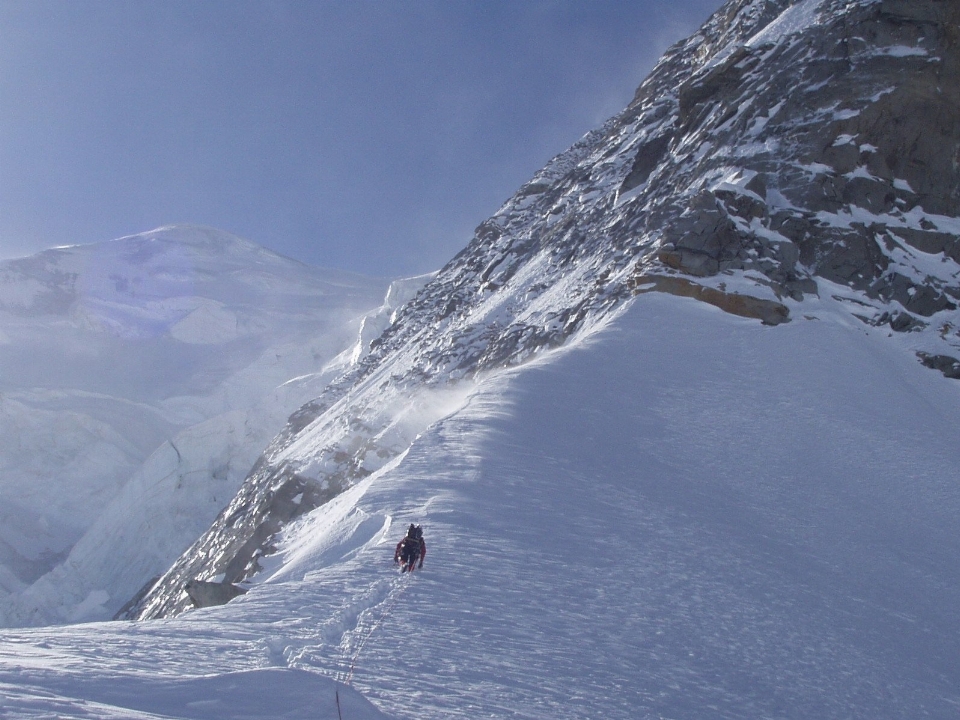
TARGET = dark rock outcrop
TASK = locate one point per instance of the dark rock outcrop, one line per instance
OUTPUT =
(769, 312)
(209, 594)
(949, 366)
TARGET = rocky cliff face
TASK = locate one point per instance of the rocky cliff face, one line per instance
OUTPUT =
(786, 149)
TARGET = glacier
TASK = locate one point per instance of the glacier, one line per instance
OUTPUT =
(138, 379)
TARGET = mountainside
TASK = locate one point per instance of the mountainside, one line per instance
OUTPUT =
(666, 420)
(686, 515)
(785, 152)
(138, 378)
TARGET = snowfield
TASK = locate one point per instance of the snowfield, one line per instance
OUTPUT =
(684, 515)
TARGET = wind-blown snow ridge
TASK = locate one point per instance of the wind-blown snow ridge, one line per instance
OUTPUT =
(753, 169)
(687, 515)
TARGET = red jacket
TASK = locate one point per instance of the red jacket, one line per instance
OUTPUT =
(423, 550)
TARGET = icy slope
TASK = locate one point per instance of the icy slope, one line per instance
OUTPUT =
(785, 151)
(690, 515)
(137, 379)
(687, 515)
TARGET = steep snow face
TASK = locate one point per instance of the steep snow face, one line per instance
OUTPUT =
(785, 151)
(138, 378)
(686, 515)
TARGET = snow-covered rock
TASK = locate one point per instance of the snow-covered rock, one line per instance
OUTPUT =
(784, 152)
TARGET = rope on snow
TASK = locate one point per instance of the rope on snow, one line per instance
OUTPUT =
(387, 608)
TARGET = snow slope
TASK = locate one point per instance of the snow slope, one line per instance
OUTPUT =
(785, 150)
(684, 515)
(138, 380)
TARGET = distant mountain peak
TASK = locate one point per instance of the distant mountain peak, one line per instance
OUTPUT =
(201, 237)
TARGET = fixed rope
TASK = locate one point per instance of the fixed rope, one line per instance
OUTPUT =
(387, 608)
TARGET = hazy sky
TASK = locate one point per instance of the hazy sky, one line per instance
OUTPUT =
(365, 135)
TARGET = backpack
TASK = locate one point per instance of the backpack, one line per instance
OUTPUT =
(410, 550)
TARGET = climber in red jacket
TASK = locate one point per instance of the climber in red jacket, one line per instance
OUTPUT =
(411, 549)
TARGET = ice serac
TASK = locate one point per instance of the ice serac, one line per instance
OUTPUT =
(787, 149)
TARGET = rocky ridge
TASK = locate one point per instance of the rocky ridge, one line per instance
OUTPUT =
(784, 150)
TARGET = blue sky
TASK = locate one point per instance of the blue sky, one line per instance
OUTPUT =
(367, 135)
